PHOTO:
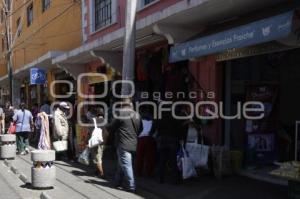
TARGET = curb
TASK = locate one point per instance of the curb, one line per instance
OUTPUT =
(44, 195)
(14, 169)
(7, 163)
(23, 178)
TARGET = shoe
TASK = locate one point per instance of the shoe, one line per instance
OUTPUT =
(27, 150)
(117, 184)
(23, 153)
(103, 177)
(130, 190)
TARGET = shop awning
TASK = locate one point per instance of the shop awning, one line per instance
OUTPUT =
(257, 32)
(44, 62)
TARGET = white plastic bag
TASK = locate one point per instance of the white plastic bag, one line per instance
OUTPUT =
(84, 157)
(198, 153)
(188, 168)
(96, 137)
(60, 146)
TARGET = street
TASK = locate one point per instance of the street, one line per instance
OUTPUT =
(7, 192)
(77, 181)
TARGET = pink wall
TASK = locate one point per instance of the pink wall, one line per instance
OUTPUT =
(209, 75)
(162, 4)
(121, 16)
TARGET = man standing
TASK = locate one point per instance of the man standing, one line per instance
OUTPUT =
(61, 124)
(126, 125)
(24, 123)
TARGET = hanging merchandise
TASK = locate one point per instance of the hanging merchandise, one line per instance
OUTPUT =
(261, 133)
(141, 70)
(44, 139)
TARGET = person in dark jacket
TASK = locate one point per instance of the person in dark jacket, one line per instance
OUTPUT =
(126, 125)
(169, 136)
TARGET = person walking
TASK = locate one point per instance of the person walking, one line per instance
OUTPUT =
(169, 136)
(24, 124)
(97, 152)
(61, 124)
(145, 157)
(126, 125)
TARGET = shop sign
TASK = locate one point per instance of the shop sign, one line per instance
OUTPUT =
(259, 49)
(37, 76)
(257, 32)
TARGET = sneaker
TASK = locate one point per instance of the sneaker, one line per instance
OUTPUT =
(23, 153)
(27, 150)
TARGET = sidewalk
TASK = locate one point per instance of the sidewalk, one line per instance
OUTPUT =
(77, 181)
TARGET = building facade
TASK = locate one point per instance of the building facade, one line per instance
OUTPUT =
(39, 31)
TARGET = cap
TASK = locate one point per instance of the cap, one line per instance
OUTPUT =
(64, 105)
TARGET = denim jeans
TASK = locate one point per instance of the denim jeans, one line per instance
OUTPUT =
(124, 170)
(22, 141)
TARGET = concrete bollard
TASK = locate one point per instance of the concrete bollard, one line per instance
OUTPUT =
(43, 171)
(8, 146)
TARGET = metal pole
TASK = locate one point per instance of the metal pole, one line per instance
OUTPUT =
(129, 46)
(10, 77)
(9, 51)
(296, 140)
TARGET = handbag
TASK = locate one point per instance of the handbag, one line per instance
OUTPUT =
(96, 138)
(60, 145)
(84, 157)
(198, 152)
(12, 128)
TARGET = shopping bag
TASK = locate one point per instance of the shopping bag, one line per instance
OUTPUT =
(60, 146)
(96, 137)
(12, 128)
(179, 157)
(198, 153)
(188, 168)
(84, 157)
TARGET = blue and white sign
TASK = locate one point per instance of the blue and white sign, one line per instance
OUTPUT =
(37, 76)
(254, 33)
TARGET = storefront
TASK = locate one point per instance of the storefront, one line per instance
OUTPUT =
(256, 68)
(155, 76)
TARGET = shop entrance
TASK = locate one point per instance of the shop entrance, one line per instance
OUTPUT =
(274, 80)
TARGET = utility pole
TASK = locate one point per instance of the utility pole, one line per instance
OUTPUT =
(129, 46)
(7, 10)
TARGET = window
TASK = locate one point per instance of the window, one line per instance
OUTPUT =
(146, 2)
(8, 4)
(46, 5)
(29, 14)
(19, 27)
(103, 13)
